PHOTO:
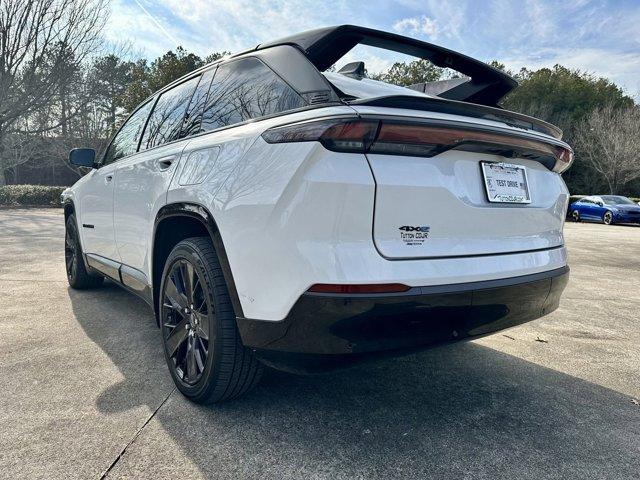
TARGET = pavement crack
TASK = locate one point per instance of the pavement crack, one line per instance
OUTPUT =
(135, 436)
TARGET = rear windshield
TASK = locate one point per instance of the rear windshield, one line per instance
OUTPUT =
(367, 88)
(616, 200)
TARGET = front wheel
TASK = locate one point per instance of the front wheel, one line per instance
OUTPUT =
(202, 345)
(77, 274)
(575, 215)
(607, 218)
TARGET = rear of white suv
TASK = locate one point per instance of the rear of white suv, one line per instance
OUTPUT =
(312, 219)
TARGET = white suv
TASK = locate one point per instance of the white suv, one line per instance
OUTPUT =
(270, 213)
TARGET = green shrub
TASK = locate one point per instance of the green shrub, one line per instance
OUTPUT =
(30, 195)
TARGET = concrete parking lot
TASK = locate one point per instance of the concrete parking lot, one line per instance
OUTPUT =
(84, 391)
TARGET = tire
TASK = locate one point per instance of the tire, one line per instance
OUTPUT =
(194, 304)
(607, 218)
(77, 274)
(575, 215)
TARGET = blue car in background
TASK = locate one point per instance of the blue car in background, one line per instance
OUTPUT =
(607, 209)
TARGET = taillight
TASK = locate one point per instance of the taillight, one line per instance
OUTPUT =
(338, 135)
(564, 159)
(418, 140)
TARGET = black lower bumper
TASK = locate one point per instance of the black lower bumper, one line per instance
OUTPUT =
(328, 330)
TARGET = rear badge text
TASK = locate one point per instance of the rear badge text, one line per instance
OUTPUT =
(414, 236)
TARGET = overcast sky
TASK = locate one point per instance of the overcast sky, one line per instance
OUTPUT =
(602, 37)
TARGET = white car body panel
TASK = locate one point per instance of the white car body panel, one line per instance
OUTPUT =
(447, 194)
(95, 206)
(414, 190)
(140, 191)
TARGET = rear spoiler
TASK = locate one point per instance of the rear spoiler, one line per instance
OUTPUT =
(323, 47)
(442, 105)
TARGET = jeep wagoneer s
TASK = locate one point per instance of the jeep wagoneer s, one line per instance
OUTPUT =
(272, 210)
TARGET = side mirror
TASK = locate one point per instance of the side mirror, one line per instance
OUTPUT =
(600, 204)
(82, 157)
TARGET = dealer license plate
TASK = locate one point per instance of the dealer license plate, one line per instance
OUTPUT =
(506, 183)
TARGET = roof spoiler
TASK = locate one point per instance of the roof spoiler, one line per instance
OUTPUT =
(486, 85)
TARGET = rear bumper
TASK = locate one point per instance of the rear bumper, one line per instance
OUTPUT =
(326, 330)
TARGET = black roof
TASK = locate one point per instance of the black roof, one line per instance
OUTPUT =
(324, 46)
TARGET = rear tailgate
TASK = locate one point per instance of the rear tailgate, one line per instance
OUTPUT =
(434, 207)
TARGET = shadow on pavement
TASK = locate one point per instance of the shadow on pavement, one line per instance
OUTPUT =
(454, 412)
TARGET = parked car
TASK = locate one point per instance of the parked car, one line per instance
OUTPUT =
(273, 214)
(607, 209)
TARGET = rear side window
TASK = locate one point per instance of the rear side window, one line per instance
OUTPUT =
(126, 140)
(165, 122)
(193, 117)
(246, 89)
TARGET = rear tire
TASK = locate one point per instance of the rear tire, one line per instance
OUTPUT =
(201, 342)
(77, 274)
(607, 218)
(575, 215)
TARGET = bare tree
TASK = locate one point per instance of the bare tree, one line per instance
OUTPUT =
(37, 39)
(16, 150)
(609, 139)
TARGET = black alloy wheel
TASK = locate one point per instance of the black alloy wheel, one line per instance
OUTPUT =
(77, 274)
(201, 342)
(70, 250)
(187, 316)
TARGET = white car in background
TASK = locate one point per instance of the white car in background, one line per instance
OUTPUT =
(273, 214)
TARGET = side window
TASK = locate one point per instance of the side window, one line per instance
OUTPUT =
(246, 89)
(126, 140)
(165, 122)
(193, 117)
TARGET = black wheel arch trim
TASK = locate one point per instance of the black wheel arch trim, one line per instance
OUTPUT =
(67, 203)
(201, 214)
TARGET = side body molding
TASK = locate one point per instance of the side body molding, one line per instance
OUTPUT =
(128, 277)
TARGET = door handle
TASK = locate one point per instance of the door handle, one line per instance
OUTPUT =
(166, 162)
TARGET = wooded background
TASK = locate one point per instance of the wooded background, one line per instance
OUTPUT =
(60, 88)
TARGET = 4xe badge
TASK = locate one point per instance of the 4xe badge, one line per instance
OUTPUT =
(414, 235)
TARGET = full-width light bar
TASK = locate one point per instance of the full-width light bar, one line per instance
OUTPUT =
(419, 140)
